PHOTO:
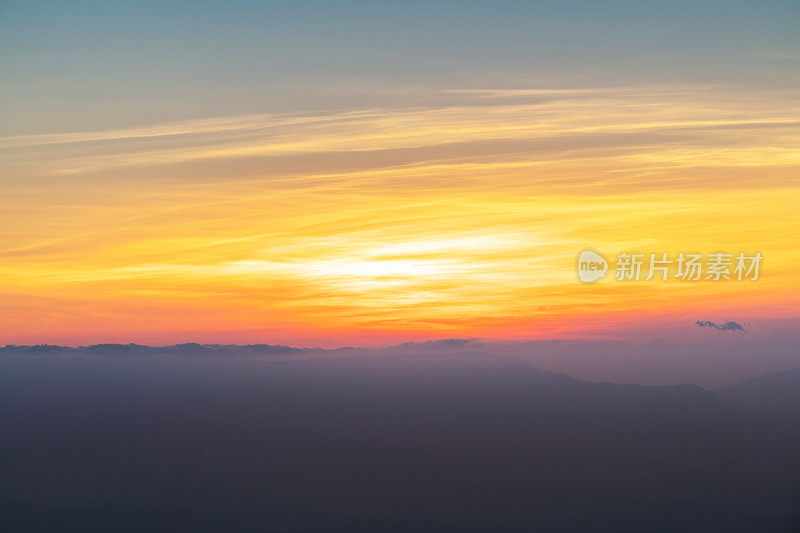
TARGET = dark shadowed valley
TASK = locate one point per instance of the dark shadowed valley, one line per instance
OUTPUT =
(458, 441)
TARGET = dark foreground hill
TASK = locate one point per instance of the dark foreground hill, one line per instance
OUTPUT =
(770, 392)
(456, 442)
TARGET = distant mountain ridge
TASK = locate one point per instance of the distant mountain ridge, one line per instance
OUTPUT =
(771, 391)
(142, 349)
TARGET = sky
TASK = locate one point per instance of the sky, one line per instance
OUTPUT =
(342, 173)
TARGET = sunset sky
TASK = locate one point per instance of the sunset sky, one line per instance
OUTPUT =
(352, 173)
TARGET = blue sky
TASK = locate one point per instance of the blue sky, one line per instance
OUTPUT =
(77, 65)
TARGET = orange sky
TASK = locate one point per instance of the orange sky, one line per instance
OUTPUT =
(396, 223)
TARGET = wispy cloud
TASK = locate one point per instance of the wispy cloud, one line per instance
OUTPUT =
(725, 326)
(448, 220)
(681, 127)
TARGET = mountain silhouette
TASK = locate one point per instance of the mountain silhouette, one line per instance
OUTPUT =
(403, 442)
(773, 391)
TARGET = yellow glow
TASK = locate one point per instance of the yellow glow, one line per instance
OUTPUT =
(458, 220)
